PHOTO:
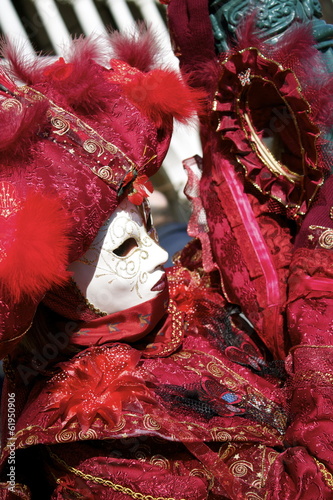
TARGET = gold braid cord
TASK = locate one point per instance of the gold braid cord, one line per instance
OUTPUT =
(326, 474)
(106, 482)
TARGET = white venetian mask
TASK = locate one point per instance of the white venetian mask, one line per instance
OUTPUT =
(123, 266)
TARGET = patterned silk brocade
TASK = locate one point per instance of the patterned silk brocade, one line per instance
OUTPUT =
(198, 394)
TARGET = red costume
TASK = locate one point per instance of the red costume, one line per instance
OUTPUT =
(179, 397)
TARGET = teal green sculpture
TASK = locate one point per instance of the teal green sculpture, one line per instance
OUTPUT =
(273, 18)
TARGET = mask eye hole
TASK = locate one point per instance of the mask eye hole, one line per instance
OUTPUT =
(126, 247)
(149, 223)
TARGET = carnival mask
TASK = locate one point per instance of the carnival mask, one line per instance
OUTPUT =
(123, 266)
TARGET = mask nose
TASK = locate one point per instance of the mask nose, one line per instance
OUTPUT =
(158, 254)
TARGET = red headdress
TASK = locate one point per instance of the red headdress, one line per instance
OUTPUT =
(75, 139)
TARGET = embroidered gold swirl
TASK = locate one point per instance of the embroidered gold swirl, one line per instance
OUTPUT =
(60, 124)
(119, 426)
(241, 468)
(91, 146)
(215, 369)
(181, 355)
(326, 239)
(272, 456)
(111, 148)
(141, 456)
(252, 496)
(33, 439)
(220, 435)
(31, 94)
(12, 104)
(104, 173)
(65, 436)
(89, 434)
(150, 423)
(160, 461)
(257, 484)
(224, 453)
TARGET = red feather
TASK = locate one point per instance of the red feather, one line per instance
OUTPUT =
(27, 70)
(35, 244)
(138, 49)
(162, 94)
(247, 34)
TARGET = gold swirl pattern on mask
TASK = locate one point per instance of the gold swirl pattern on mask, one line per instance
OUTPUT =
(104, 172)
(205, 474)
(215, 369)
(141, 456)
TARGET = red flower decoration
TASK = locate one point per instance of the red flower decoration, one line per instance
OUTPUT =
(260, 110)
(142, 187)
(101, 383)
(60, 70)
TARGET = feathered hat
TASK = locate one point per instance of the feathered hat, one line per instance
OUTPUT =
(76, 137)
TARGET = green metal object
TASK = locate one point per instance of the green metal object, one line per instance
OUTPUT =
(273, 18)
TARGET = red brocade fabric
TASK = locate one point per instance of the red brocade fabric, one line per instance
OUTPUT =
(201, 397)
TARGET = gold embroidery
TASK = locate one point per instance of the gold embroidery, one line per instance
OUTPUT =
(91, 146)
(65, 436)
(12, 104)
(160, 461)
(89, 434)
(150, 423)
(60, 124)
(241, 468)
(105, 173)
(326, 238)
(105, 482)
(31, 440)
(327, 475)
(9, 203)
(331, 213)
